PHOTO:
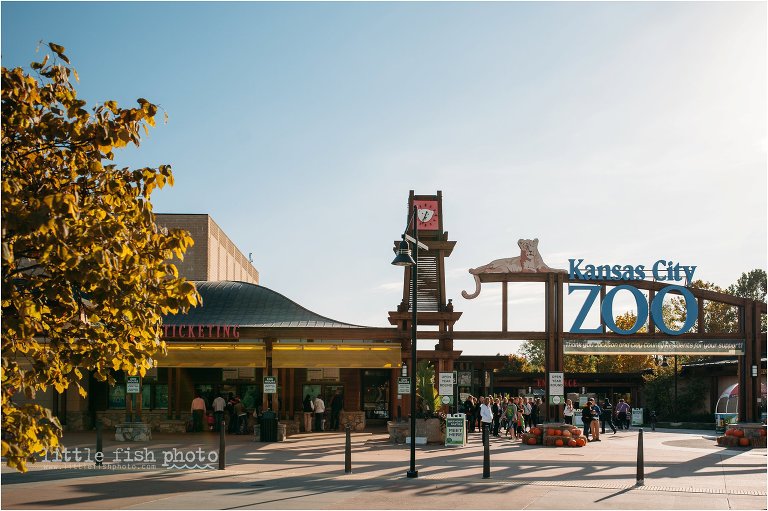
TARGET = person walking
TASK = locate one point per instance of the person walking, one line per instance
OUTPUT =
(219, 404)
(606, 415)
(622, 414)
(319, 413)
(198, 412)
(309, 408)
(511, 416)
(535, 410)
(526, 406)
(568, 411)
(337, 405)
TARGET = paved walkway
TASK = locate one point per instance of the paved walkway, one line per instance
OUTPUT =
(683, 470)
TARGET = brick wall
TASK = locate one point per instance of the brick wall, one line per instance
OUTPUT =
(213, 257)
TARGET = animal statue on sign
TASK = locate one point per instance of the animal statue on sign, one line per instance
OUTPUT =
(529, 261)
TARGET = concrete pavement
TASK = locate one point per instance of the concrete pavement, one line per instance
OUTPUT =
(683, 470)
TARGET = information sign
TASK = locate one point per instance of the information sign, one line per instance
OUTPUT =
(556, 400)
(446, 400)
(637, 416)
(456, 430)
(445, 385)
(133, 385)
(556, 387)
(270, 384)
(403, 384)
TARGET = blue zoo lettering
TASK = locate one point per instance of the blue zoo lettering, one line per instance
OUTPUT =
(606, 309)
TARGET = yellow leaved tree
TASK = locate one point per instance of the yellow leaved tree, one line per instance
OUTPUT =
(85, 269)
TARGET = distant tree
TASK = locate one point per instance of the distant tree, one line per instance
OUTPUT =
(751, 285)
(518, 364)
(533, 352)
(85, 280)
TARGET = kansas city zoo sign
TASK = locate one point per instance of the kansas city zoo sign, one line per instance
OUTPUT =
(662, 271)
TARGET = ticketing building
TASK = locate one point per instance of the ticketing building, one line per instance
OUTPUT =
(253, 342)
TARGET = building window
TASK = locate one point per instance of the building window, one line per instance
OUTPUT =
(375, 383)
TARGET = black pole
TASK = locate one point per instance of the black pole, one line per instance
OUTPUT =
(486, 452)
(640, 461)
(222, 445)
(675, 413)
(414, 272)
(348, 452)
(99, 447)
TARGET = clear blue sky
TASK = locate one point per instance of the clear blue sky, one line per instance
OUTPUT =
(620, 133)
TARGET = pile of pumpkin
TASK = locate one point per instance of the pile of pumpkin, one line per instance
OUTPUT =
(743, 436)
(555, 435)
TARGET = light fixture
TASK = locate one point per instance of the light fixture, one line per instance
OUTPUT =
(403, 258)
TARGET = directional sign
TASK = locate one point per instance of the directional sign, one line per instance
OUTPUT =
(270, 384)
(403, 384)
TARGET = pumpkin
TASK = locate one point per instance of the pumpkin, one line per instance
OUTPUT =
(581, 442)
(744, 442)
(729, 432)
(566, 433)
(738, 433)
(572, 443)
(762, 431)
(576, 432)
(558, 432)
(532, 441)
(550, 432)
(534, 431)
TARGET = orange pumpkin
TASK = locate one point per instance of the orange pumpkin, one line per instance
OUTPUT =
(576, 432)
(581, 442)
(738, 433)
(572, 443)
(559, 442)
(534, 431)
(566, 433)
(762, 432)
(729, 432)
(558, 432)
(532, 441)
(550, 432)
(744, 442)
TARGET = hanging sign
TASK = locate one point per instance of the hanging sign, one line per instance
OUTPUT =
(270, 384)
(445, 384)
(403, 384)
(556, 387)
(133, 385)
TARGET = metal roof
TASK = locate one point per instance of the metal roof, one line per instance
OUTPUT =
(249, 305)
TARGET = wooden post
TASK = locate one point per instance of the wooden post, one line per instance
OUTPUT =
(178, 393)
(504, 300)
(747, 397)
(169, 382)
(701, 315)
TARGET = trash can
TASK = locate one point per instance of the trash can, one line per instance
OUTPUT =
(269, 426)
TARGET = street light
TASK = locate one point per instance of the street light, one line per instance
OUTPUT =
(664, 363)
(403, 258)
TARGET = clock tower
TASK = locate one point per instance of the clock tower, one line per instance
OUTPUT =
(433, 306)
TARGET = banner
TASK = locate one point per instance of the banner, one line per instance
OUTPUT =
(650, 347)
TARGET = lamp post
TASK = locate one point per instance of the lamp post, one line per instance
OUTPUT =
(403, 258)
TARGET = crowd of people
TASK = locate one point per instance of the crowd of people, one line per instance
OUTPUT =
(516, 415)
(209, 417)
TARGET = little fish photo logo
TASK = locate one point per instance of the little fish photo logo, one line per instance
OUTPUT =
(197, 459)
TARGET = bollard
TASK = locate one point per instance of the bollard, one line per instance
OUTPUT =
(348, 451)
(486, 454)
(640, 461)
(222, 446)
(99, 447)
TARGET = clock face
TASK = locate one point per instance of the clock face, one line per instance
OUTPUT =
(426, 215)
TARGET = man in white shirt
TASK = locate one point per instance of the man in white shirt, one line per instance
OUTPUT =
(319, 412)
(486, 414)
(218, 411)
